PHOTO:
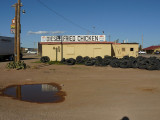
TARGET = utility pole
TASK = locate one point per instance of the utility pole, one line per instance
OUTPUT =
(18, 31)
(109, 37)
(15, 37)
(34, 45)
(142, 41)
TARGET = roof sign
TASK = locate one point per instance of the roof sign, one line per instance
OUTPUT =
(73, 38)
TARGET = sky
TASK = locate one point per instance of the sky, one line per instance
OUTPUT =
(119, 19)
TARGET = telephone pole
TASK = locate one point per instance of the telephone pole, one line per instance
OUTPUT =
(15, 37)
(142, 41)
(18, 31)
(109, 37)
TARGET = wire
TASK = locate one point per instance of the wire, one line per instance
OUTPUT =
(63, 17)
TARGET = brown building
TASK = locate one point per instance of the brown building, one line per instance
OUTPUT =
(152, 49)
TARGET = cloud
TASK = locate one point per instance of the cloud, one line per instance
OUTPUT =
(45, 32)
(57, 32)
(38, 32)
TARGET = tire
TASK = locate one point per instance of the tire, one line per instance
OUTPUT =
(63, 60)
(104, 63)
(45, 59)
(98, 63)
(115, 63)
(93, 60)
(70, 61)
(134, 63)
(125, 64)
(89, 63)
(107, 61)
(86, 58)
(79, 60)
(126, 58)
(154, 64)
(143, 64)
(132, 58)
(42, 59)
(99, 58)
(140, 58)
(107, 57)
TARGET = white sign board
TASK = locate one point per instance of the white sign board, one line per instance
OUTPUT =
(12, 31)
(73, 38)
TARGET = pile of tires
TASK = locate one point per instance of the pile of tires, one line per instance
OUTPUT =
(151, 63)
(69, 61)
(45, 59)
(79, 60)
(140, 62)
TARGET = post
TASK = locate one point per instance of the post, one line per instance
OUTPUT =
(142, 41)
(109, 37)
(15, 37)
(61, 48)
(56, 53)
(18, 31)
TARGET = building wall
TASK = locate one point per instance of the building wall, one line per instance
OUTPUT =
(157, 49)
(48, 50)
(92, 50)
(121, 50)
(74, 50)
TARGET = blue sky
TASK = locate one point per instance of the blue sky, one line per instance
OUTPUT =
(121, 19)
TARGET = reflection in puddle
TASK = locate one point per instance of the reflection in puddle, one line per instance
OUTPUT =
(39, 93)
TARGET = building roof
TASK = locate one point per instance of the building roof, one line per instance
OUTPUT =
(129, 43)
(152, 47)
(53, 43)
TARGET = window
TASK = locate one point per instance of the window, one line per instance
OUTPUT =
(123, 49)
(131, 49)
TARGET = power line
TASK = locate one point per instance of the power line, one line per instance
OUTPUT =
(63, 17)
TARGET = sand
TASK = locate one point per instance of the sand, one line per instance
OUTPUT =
(93, 93)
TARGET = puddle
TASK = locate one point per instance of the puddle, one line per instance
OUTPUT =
(37, 93)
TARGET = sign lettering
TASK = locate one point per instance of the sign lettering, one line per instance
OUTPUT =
(73, 38)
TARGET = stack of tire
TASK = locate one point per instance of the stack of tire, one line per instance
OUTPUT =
(45, 59)
(140, 62)
(151, 63)
(69, 61)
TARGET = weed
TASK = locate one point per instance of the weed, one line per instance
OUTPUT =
(16, 65)
(55, 62)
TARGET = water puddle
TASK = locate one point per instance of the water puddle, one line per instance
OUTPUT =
(37, 93)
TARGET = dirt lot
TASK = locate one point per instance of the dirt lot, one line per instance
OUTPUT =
(93, 93)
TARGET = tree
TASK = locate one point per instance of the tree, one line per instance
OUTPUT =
(140, 48)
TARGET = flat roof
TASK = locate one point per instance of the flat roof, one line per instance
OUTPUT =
(53, 43)
(129, 43)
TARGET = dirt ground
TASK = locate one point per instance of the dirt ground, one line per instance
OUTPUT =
(93, 93)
